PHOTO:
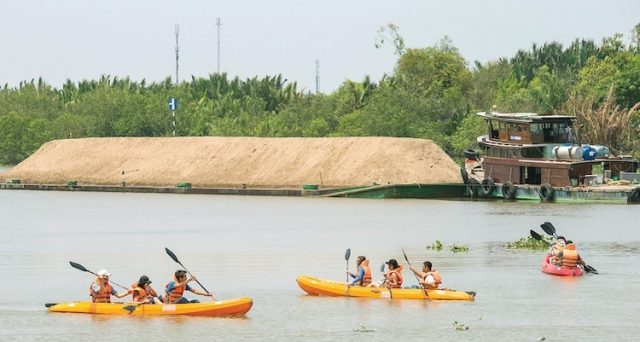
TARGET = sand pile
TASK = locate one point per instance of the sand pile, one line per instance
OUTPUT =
(234, 161)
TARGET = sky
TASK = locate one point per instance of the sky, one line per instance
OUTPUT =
(84, 39)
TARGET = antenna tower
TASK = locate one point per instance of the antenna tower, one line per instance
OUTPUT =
(218, 23)
(177, 50)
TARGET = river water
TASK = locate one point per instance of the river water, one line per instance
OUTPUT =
(256, 246)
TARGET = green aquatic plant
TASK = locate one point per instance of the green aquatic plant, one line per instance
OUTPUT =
(439, 245)
(363, 328)
(459, 326)
(436, 246)
(461, 248)
(529, 243)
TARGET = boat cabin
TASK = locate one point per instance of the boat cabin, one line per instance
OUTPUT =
(529, 128)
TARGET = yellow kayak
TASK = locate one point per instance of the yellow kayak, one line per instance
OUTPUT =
(320, 287)
(231, 307)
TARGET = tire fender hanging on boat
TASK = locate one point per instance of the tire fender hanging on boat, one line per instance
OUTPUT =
(634, 196)
(509, 190)
(546, 192)
(488, 186)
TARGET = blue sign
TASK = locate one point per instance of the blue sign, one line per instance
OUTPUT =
(173, 103)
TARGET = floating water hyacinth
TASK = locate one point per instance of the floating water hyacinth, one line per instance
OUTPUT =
(363, 328)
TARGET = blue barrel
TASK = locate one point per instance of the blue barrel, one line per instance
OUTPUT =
(588, 152)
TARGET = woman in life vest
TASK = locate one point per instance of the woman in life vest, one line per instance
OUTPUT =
(364, 272)
(569, 257)
(143, 293)
(173, 292)
(101, 291)
(393, 278)
(429, 277)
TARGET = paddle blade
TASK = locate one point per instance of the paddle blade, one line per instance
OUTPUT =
(382, 268)
(170, 253)
(590, 269)
(535, 235)
(347, 254)
(548, 228)
(130, 308)
(78, 266)
(48, 305)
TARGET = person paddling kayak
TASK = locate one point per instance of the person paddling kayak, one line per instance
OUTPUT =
(143, 293)
(394, 275)
(569, 256)
(101, 290)
(364, 272)
(429, 277)
(175, 289)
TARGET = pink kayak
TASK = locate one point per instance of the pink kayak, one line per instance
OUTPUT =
(550, 268)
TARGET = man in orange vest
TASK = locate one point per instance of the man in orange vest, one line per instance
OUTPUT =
(101, 291)
(429, 277)
(175, 289)
(569, 256)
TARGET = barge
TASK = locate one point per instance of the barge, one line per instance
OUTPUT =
(529, 156)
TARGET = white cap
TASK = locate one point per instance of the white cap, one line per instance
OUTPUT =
(103, 273)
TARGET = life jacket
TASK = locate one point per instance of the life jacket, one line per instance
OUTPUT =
(366, 280)
(103, 295)
(570, 256)
(398, 273)
(175, 294)
(142, 293)
(436, 278)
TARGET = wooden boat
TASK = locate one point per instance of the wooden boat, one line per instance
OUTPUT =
(320, 287)
(533, 156)
(230, 307)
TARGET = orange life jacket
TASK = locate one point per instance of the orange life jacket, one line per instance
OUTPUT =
(175, 294)
(436, 278)
(103, 295)
(570, 256)
(366, 280)
(398, 273)
(142, 293)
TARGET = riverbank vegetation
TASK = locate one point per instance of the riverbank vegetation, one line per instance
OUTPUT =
(432, 93)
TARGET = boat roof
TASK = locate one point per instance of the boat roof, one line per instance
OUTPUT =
(526, 117)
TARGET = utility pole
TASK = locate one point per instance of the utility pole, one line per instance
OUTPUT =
(218, 23)
(317, 76)
(177, 50)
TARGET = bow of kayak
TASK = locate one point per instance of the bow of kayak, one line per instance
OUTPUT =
(230, 307)
(320, 287)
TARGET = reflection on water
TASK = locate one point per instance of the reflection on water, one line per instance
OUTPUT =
(256, 246)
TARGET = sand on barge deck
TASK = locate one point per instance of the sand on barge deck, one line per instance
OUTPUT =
(225, 164)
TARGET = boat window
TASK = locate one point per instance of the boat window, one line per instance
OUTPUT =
(493, 129)
(535, 128)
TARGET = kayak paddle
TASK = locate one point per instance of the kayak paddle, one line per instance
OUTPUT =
(549, 229)
(415, 274)
(48, 305)
(537, 236)
(385, 280)
(81, 268)
(175, 258)
(347, 255)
